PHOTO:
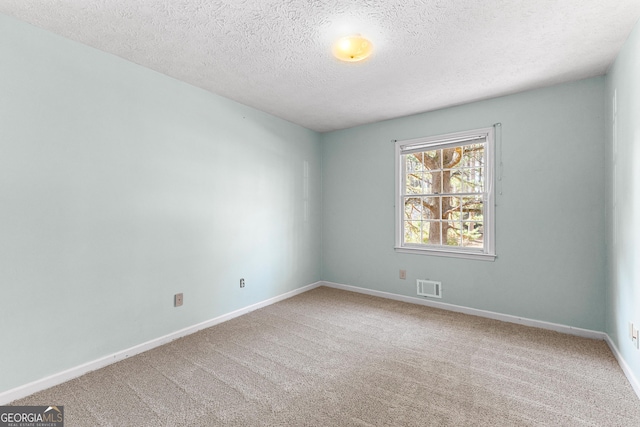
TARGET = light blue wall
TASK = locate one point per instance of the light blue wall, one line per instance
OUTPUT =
(550, 215)
(623, 201)
(120, 187)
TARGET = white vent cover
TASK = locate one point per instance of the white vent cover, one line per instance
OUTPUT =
(429, 288)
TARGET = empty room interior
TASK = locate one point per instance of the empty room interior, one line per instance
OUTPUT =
(207, 215)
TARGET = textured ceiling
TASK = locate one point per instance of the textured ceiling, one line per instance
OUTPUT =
(275, 55)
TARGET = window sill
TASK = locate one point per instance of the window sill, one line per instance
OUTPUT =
(450, 254)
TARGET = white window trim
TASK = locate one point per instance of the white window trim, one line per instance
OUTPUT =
(488, 253)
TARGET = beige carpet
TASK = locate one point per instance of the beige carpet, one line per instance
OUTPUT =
(336, 358)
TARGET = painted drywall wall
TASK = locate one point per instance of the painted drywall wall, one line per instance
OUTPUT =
(549, 210)
(623, 198)
(120, 187)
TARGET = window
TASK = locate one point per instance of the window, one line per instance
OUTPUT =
(445, 199)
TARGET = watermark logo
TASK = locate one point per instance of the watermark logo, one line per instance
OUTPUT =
(31, 416)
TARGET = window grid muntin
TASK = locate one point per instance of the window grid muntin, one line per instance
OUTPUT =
(411, 169)
(419, 217)
(487, 135)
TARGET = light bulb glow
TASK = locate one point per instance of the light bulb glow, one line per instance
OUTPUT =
(352, 48)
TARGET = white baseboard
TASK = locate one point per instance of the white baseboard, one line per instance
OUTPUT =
(635, 384)
(61, 377)
(586, 333)
(69, 374)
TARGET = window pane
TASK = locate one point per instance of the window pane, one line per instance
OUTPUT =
(412, 208)
(472, 180)
(431, 231)
(413, 183)
(426, 231)
(472, 208)
(431, 160)
(453, 233)
(413, 163)
(473, 156)
(412, 231)
(431, 182)
(473, 234)
(451, 208)
(456, 181)
(451, 157)
(431, 208)
(447, 183)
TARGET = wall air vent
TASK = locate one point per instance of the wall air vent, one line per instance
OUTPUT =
(429, 288)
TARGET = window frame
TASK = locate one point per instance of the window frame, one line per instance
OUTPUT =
(405, 147)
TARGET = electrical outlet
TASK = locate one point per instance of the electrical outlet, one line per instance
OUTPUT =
(242, 283)
(403, 274)
(177, 300)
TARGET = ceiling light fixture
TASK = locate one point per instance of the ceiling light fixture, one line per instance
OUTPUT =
(352, 48)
